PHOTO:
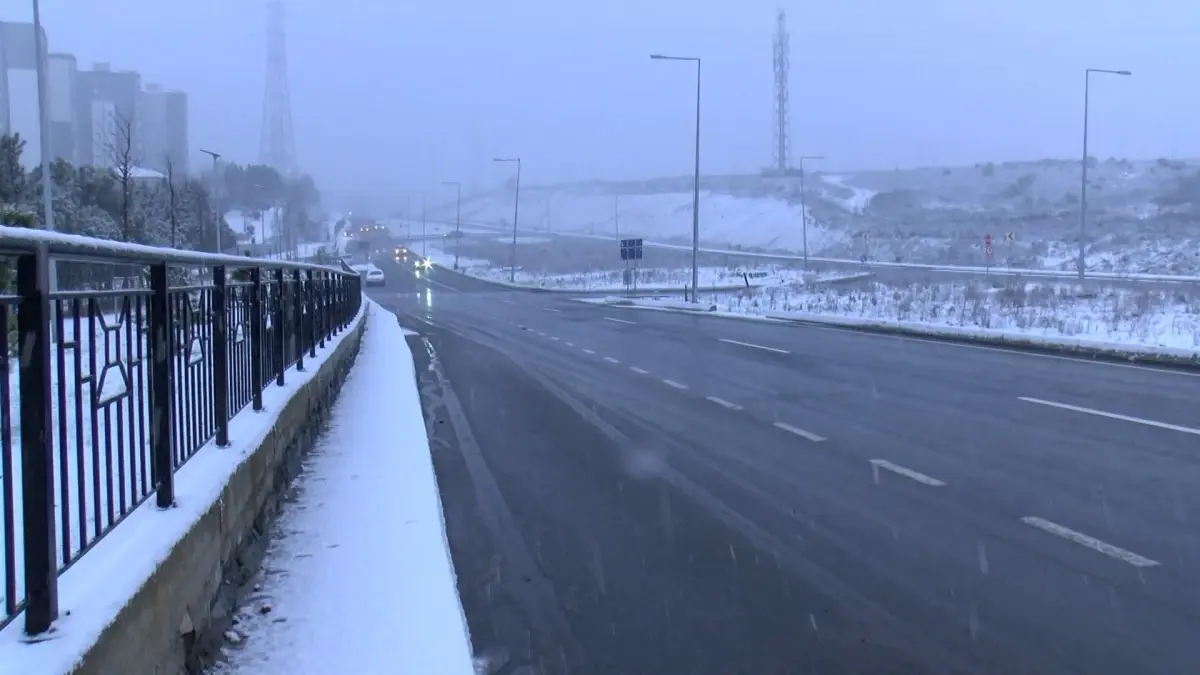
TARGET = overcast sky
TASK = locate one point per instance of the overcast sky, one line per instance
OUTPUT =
(393, 95)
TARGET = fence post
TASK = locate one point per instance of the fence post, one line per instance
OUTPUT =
(323, 303)
(256, 335)
(37, 442)
(298, 328)
(220, 352)
(279, 334)
(310, 294)
(162, 333)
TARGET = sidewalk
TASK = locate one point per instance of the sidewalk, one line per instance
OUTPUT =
(358, 578)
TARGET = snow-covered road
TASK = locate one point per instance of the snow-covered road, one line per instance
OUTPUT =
(359, 579)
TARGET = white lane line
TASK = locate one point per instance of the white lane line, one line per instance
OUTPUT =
(553, 337)
(675, 384)
(588, 351)
(551, 309)
(907, 473)
(611, 359)
(570, 344)
(639, 371)
(800, 432)
(723, 402)
(752, 345)
(609, 318)
(1115, 416)
(507, 302)
(1090, 542)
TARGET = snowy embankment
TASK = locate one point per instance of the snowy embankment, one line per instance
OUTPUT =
(366, 534)
(96, 588)
(648, 279)
(742, 222)
(1119, 321)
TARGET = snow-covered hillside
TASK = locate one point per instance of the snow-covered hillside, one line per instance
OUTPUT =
(726, 220)
(1143, 216)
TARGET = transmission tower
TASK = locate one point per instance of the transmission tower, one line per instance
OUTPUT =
(782, 64)
(277, 148)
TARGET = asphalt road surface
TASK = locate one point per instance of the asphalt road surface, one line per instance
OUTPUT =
(631, 491)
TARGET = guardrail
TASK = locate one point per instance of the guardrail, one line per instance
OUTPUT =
(108, 393)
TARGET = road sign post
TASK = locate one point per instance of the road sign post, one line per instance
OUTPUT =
(631, 253)
(987, 253)
(1009, 238)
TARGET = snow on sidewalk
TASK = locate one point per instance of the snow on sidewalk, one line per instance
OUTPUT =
(360, 580)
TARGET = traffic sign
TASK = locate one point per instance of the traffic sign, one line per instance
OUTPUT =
(631, 249)
(1010, 236)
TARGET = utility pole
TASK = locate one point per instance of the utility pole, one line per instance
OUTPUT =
(617, 215)
(423, 239)
(216, 202)
(512, 268)
(804, 205)
(457, 217)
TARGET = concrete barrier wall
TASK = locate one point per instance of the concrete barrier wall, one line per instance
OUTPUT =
(179, 615)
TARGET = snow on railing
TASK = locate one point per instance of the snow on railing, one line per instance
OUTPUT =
(105, 393)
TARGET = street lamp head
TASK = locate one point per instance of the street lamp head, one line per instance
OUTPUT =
(657, 56)
(1124, 72)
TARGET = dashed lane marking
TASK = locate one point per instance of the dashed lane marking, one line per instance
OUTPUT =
(800, 432)
(1115, 416)
(907, 473)
(722, 402)
(673, 383)
(1090, 542)
(753, 346)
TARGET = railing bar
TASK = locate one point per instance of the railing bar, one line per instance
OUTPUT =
(64, 477)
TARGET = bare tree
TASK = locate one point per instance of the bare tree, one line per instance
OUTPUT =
(122, 157)
(173, 201)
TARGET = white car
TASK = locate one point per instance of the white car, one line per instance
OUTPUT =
(375, 277)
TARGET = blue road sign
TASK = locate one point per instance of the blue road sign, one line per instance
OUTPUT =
(631, 249)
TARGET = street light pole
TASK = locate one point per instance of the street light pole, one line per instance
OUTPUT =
(457, 216)
(424, 252)
(512, 267)
(216, 204)
(696, 178)
(1083, 179)
(39, 45)
(804, 205)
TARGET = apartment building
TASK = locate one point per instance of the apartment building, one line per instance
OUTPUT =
(18, 88)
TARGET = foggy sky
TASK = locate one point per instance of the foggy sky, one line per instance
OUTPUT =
(395, 95)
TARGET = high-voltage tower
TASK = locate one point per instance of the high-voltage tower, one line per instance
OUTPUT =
(782, 136)
(276, 145)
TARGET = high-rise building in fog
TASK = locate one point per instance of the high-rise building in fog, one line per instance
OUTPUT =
(108, 109)
(18, 88)
(164, 129)
(62, 92)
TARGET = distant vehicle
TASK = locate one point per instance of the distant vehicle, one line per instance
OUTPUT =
(375, 277)
(454, 235)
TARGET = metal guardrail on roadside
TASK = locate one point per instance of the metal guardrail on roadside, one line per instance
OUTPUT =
(104, 395)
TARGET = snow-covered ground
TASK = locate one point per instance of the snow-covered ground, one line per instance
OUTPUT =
(651, 278)
(396, 585)
(728, 221)
(1169, 320)
(99, 584)
(1143, 216)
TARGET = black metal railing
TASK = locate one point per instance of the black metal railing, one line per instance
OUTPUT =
(104, 394)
